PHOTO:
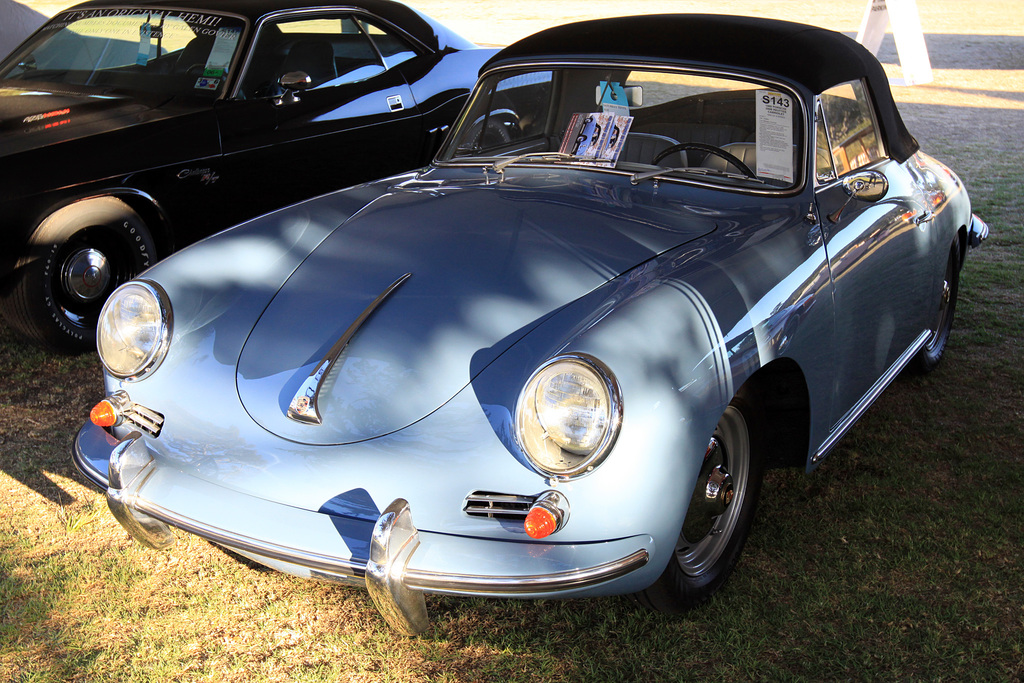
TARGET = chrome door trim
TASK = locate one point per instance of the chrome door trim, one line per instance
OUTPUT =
(867, 399)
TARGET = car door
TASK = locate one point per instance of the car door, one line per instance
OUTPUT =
(877, 234)
(354, 119)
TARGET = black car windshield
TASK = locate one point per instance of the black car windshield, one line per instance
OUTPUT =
(172, 52)
(648, 122)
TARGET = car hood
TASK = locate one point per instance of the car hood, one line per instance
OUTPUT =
(32, 118)
(487, 263)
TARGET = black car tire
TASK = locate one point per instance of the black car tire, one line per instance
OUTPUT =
(700, 566)
(927, 359)
(74, 260)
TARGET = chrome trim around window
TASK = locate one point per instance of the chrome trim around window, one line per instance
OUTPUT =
(313, 12)
(808, 144)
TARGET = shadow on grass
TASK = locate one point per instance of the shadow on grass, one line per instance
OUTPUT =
(43, 400)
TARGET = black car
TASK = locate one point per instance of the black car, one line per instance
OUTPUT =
(129, 131)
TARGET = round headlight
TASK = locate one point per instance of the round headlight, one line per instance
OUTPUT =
(568, 415)
(134, 330)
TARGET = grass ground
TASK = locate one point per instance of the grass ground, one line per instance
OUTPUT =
(899, 558)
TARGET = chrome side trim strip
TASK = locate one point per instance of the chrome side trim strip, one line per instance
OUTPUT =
(304, 406)
(325, 563)
(462, 584)
(867, 399)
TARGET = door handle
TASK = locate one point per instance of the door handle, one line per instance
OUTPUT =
(923, 217)
(395, 103)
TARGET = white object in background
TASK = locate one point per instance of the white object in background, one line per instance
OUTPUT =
(906, 29)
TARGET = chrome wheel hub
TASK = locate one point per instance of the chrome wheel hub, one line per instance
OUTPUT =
(86, 274)
(712, 495)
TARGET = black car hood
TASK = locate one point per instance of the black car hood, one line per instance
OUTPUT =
(31, 118)
(487, 264)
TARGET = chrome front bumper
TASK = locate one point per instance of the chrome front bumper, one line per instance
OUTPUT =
(404, 563)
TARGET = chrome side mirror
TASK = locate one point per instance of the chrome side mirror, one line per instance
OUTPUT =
(293, 83)
(868, 186)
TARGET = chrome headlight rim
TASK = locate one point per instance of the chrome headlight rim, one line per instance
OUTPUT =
(156, 354)
(524, 416)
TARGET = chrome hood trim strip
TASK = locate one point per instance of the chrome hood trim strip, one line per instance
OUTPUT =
(304, 406)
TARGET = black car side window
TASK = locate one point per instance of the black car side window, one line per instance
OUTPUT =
(330, 50)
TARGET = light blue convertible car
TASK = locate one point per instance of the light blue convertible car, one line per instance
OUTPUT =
(656, 256)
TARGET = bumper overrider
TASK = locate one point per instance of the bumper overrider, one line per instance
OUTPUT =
(977, 232)
(403, 563)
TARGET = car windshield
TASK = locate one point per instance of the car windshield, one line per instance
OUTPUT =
(651, 123)
(172, 52)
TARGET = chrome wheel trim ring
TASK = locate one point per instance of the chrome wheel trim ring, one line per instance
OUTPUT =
(943, 318)
(697, 557)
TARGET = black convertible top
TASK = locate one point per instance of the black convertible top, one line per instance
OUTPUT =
(812, 57)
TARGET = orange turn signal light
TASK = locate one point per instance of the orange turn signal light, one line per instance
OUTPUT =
(103, 414)
(548, 514)
(540, 523)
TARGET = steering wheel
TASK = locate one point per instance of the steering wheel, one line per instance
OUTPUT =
(710, 149)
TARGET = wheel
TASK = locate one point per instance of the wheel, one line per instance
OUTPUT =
(718, 519)
(710, 149)
(927, 359)
(74, 260)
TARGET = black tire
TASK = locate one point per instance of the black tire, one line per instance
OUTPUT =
(927, 359)
(702, 563)
(73, 261)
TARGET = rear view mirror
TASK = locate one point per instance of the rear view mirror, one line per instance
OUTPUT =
(634, 94)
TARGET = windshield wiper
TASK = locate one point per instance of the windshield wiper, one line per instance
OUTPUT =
(692, 170)
(499, 166)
